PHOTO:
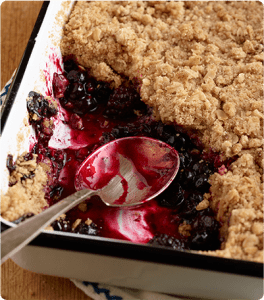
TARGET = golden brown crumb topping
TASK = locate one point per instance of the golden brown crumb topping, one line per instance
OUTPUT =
(27, 193)
(238, 199)
(184, 229)
(200, 65)
(200, 62)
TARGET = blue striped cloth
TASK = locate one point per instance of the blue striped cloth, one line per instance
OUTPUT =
(5, 90)
(100, 291)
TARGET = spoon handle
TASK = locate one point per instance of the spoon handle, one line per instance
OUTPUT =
(15, 238)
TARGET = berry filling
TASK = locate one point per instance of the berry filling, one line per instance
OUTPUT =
(97, 114)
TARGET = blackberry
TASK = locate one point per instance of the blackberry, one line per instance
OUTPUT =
(76, 76)
(167, 134)
(102, 92)
(147, 130)
(89, 86)
(10, 163)
(201, 182)
(188, 178)
(38, 107)
(80, 96)
(196, 197)
(185, 159)
(202, 167)
(59, 84)
(172, 197)
(197, 168)
(125, 131)
(106, 138)
(165, 240)
(90, 103)
(56, 192)
(83, 228)
(28, 156)
(182, 142)
(188, 207)
(122, 103)
(205, 231)
(76, 90)
(61, 225)
(69, 63)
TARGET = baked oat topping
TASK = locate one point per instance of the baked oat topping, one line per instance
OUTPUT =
(26, 193)
(184, 229)
(200, 65)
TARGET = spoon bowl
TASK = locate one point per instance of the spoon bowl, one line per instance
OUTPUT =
(125, 172)
(129, 171)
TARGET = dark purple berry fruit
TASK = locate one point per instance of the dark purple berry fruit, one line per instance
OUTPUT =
(89, 87)
(196, 197)
(123, 102)
(188, 178)
(10, 164)
(205, 231)
(76, 122)
(90, 103)
(102, 92)
(69, 63)
(172, 197)
(185, 159)
(167, 134)
(201, 182)
(28, 156)
(62, 225)
(197, 168)
(83, 228)
(182, 141)
(106, 138)
(75, 76)
(165, 240)
(39, 107)
(59, 84)
(188, 208)
(56, 192)
(76, 91)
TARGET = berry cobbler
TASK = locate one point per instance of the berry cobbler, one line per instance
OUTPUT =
(187, 73)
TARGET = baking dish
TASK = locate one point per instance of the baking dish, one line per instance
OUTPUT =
(100, 259)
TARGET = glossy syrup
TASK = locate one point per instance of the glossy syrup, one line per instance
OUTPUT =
(77, 135)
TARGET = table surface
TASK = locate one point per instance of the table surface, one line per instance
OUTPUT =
(17, 21)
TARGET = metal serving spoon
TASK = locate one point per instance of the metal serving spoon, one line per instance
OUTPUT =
(125, 172)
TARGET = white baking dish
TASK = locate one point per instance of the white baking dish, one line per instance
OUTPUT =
(99, 259)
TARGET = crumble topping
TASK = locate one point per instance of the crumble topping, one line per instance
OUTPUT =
(83, 207)
(26, 195)
(200, 65)
(204, 204)
(184, 229)
(238, 199)
(76, 223)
